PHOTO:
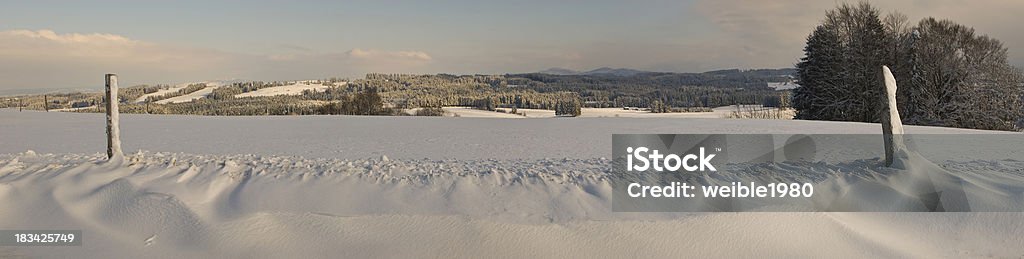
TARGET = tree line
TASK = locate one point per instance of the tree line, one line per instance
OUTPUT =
(383, 94)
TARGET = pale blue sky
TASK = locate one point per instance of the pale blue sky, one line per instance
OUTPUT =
(64, 44)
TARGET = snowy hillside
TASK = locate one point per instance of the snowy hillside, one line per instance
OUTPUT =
(295, 88)
(161, 92)
(292, 89)
(202, 93)
(188, 97)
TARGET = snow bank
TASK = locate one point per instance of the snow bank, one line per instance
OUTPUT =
(460, 187)
(183, 205)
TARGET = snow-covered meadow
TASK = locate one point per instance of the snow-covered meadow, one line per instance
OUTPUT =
(716, 113)
(294, 88)
(365, 186)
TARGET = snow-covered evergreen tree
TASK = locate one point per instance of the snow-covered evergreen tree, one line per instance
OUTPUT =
(821, 95)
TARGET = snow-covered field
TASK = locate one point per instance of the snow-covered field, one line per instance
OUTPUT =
(719, 112)
(161, 92)
(783, 85)
(188, 97)
(292, 89)
(356, 137)
(295, 88)
(349, 186)
(201, 93)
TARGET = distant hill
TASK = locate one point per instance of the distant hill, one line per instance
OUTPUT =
(614, 71)
(626, 72)
(791, 72)
(604, 71)
(600, 88)
(559, 71)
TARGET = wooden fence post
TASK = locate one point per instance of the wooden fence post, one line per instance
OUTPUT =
(892, 125)
(113, 131)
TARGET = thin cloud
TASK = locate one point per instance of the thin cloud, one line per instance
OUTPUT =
(95, 47)
(387, 56)
(47, 59)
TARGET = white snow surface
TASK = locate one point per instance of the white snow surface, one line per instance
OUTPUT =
(347, 186)
(201, 93)
(718, 112)
(293, 89)
(175, 88)
(783, 85)
(407, 137)
(160, 92)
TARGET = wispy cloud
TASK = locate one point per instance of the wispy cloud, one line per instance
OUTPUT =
(44, 58)
(96, 47)
(387, 56)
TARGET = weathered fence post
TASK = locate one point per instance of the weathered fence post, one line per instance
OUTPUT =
(113, 131)
(892, 125)
(46, 103)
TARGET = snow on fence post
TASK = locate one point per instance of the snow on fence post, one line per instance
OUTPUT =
(892, 125)
(113, 131)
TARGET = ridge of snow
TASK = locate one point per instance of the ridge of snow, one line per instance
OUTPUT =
(177, 204)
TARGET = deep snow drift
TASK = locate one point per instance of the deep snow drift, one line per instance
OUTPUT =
(439, 187)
